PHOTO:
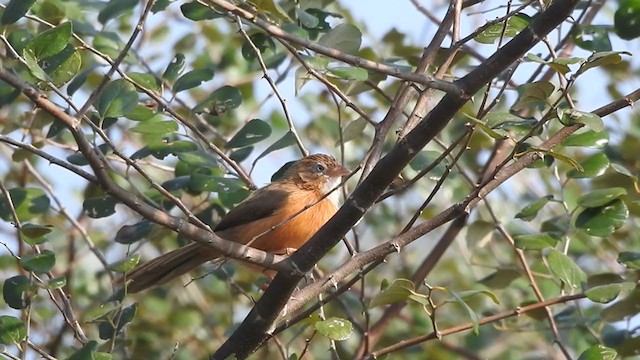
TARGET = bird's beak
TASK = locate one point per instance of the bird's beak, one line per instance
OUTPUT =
(338, 171)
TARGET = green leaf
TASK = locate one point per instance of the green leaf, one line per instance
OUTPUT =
(220, 101)
(501, 279)
(515, 24)
(592, 37)
(50, 42)
(99, 207)
(12, 330)
(350, 73)
(147, 81)
(565, 269)
(335, 328)
(594, 166)
(285, 141)
(353, 130)
(588, 138)
(626, 20)
(192, 79)
(62, 66)
(200, 182)
(262, 42)
(530, 211)
(129, 234)
(536, 241)
(15, 10)
(601, 197)
(175, 68)
(479, 233)
(40, 263)
(622, 170)
(28, 202)
(306, 19)
(79, 159)
(598, 352)
(160, 150)
(344, 37)
(629, 259)
(198, 158)
(603, 221)
(272, 7)
(115, 8)
(472, 315)
(34, 234)
(601, 59)
(116, 99)
(155, 127)
(125, 265)
(399, 290)
(56, 282)
(140, 113)
(107, 330)
(534, 95)
(252, 132)
(33, 230)
(16, 292)
(592, 121)
(198, 12)
(87, 352)
(607, 293)
(241, 154)
(34, 67)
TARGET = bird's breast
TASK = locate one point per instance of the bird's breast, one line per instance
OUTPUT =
(289, 227)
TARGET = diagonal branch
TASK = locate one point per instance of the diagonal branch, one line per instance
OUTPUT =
(260, 322)
(137, 204)
(277, 32)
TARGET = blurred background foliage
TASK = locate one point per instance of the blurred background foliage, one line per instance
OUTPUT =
(190, 107)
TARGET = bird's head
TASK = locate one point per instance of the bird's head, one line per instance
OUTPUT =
(315, 172)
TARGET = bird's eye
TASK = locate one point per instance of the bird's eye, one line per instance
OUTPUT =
(319, 168)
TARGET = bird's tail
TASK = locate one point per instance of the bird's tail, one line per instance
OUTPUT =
(168, 266)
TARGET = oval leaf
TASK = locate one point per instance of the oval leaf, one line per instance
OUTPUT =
(565, 269)
(28, 202)
(601, 197)
(12, 330)
(192, 79)
(598, 352)
(40, 263)
(15, 292)
(254, 131)
(607, 293)
(594, 166)
(116, 99)
(530, 211)
(603, 221)
(50, 42)
(15, 10)
(629, 259)
(344, 37)
(155, 127)
(536, 241)
(99, 207)
(335, 328)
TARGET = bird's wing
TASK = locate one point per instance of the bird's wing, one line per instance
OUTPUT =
(262, 203)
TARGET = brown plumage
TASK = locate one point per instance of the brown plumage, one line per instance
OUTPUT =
(250, 222)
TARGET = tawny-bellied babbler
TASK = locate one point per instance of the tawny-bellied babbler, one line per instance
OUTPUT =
(258, 220)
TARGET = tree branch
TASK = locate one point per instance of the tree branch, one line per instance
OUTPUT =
(182, 227)
(260, 322)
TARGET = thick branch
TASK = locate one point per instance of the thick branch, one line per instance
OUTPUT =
(260, 322)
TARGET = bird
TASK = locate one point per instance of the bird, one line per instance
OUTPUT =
(277, 218)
